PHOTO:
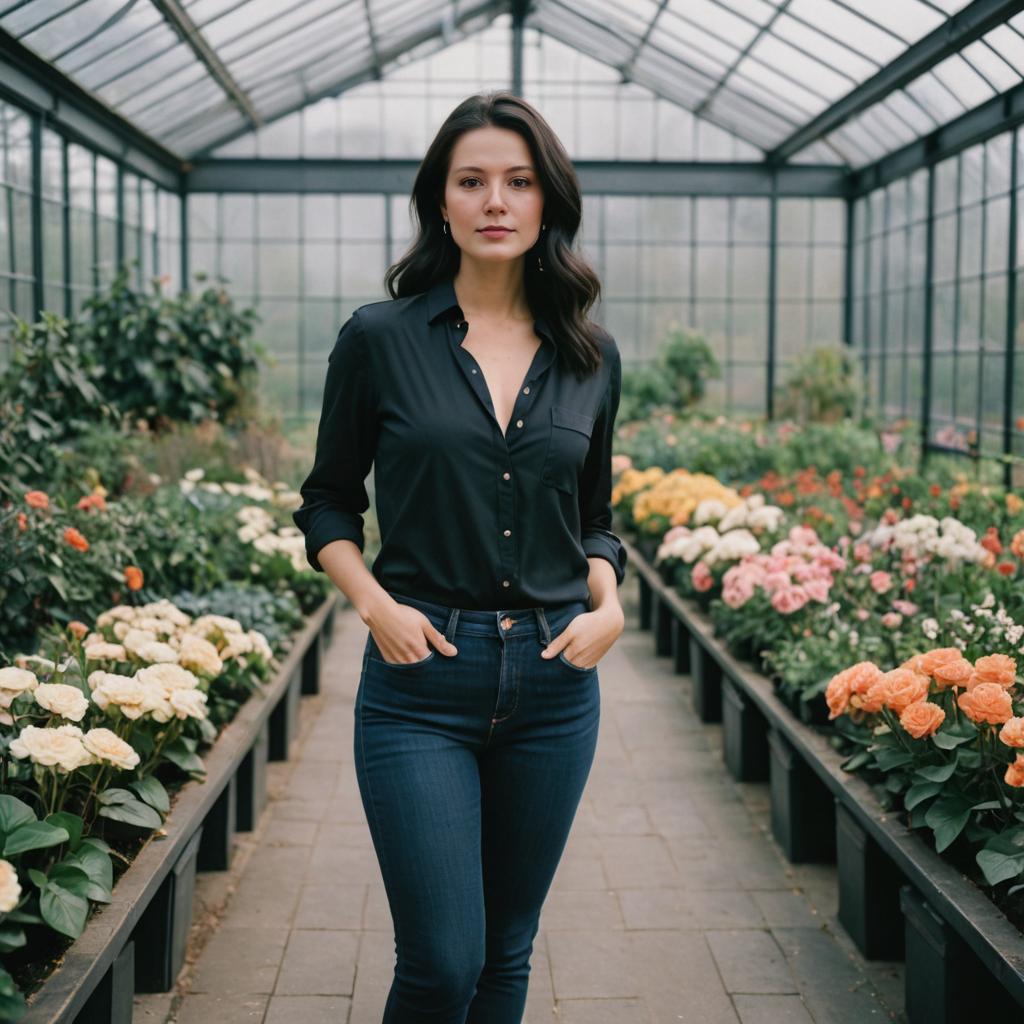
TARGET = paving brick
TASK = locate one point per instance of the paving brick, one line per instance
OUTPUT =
(318, 962)
(307, 1009)
(331, 906)
(750, 961)
(603, 1011)
(223, 1008)
(578, 909)
(772, 1010)
(240, 960)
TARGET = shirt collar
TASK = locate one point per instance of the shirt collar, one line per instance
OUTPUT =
(441, 299)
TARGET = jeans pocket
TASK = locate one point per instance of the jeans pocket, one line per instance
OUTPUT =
(376, 655)
(576, 668)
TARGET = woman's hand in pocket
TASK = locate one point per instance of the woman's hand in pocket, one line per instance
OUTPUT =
(587, 638)
(401, 632)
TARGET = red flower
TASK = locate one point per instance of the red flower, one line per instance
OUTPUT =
(935, 490)
(22, 522)
(1007, 568)
(37, 499)
(990, 542)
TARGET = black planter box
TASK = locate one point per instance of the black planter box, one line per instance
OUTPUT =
(646, 598)
(706, 676)
(162, 931)
(869, 891)
(680, 646)
(744, 735)
(113, 999)
(284, 719)
(663, 616)
(803, 809)
(251, 782)
(945, 982)
(219, 831)
(311, 664)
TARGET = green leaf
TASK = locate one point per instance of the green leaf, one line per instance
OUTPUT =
(134, 812)
(179, 754)
(938, 773)
(947, 816)
(889, 759)
(114, 795)
(858, 760)
(14, 813)
(11, 938)
(100, 871)
(97, 843)
(152, 791)
(922, 791)
(63, 911)
(952, 734)
(70, 877)
(35, 836)
(71, 822)
(1002, 858)
(38, 878)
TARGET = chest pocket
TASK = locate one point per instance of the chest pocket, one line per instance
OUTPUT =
(567, 448)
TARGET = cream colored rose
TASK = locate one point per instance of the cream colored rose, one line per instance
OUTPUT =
(62, 699)
(10, 887)
(238, 643)
(155, 624)
(61, 747)
(17, 679)
(34, 663)
(188, 703)
(119, 613)
(104, 651)
(136, 638)
(199, 656)
(131, 696)
(168, 676)
(106, 746)
(122, 629)
(206, 624)
(260, 645)
(156, 651)
(164, 609)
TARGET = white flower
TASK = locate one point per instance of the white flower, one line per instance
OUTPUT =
(733, 518)
(133, 697)
(14, 681)
(34, 662)
(155, 651)
(767, 517)
(62, 699)
(709, 509)
(206, 624)
(168, 677)
(188, 703)
(120, 613)
(930, 628)
(104, 651)
(195, 475)
(61, 747)
(260, 646)
(199, 656)
(106, 746)
(10, 887)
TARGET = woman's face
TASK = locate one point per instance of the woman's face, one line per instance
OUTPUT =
(492, 182)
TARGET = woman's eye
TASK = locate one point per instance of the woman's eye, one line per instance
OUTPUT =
(525, 181)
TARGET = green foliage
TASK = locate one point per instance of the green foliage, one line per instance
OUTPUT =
(821, 387)
(677, 379)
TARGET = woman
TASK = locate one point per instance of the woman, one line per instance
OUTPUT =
(487, 402)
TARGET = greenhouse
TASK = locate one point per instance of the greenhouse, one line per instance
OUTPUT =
(677, 344)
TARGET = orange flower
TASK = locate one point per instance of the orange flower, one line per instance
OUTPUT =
(856, 679)
(906, 503)
(96, 501)
(75, 539)
(986, 702)
(952, 674)
(1017, 544)
(22, 522)
(78, 629)
(935, 490)
(994, 668)
(1015, 772)
(897, 689)
(1007, 568)
(990, 542)
(922, 718)
(133, 577)
(1012, 733)
(928, 662)
(37, 499)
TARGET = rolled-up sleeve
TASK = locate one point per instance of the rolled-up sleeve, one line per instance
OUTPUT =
(334, 493)
(596, 480)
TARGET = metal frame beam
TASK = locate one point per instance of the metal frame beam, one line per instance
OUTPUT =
(520, 11)
(609, 177)
(962, 28)
(999, 114)
(180, 23)
(38, 87)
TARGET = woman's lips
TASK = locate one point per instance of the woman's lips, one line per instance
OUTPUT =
(495, 232)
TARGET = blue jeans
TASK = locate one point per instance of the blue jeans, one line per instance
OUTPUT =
(470, 768)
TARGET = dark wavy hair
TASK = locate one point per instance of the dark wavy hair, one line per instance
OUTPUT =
(568, 286)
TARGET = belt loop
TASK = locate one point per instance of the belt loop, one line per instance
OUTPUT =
(542, 625)
(449, 632)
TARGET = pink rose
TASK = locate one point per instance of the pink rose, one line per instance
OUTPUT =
(776, 581)
(905, 607)
(862, 552)
(891, 620)
(880, 581)
(701, 577)
(863, 614)
(790, 600)
(817, 590)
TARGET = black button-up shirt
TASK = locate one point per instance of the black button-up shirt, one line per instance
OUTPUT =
(468, 517)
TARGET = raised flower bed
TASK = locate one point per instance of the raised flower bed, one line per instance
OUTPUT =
(956, 939)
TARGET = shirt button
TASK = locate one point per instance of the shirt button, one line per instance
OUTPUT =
(508, 533)
(526, 391)
(504, 583)
(519, 423)
(505, 476)
(474, 371)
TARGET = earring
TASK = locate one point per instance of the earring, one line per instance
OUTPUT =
(444, 230)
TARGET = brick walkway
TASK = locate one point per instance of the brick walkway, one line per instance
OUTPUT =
(672, 902)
